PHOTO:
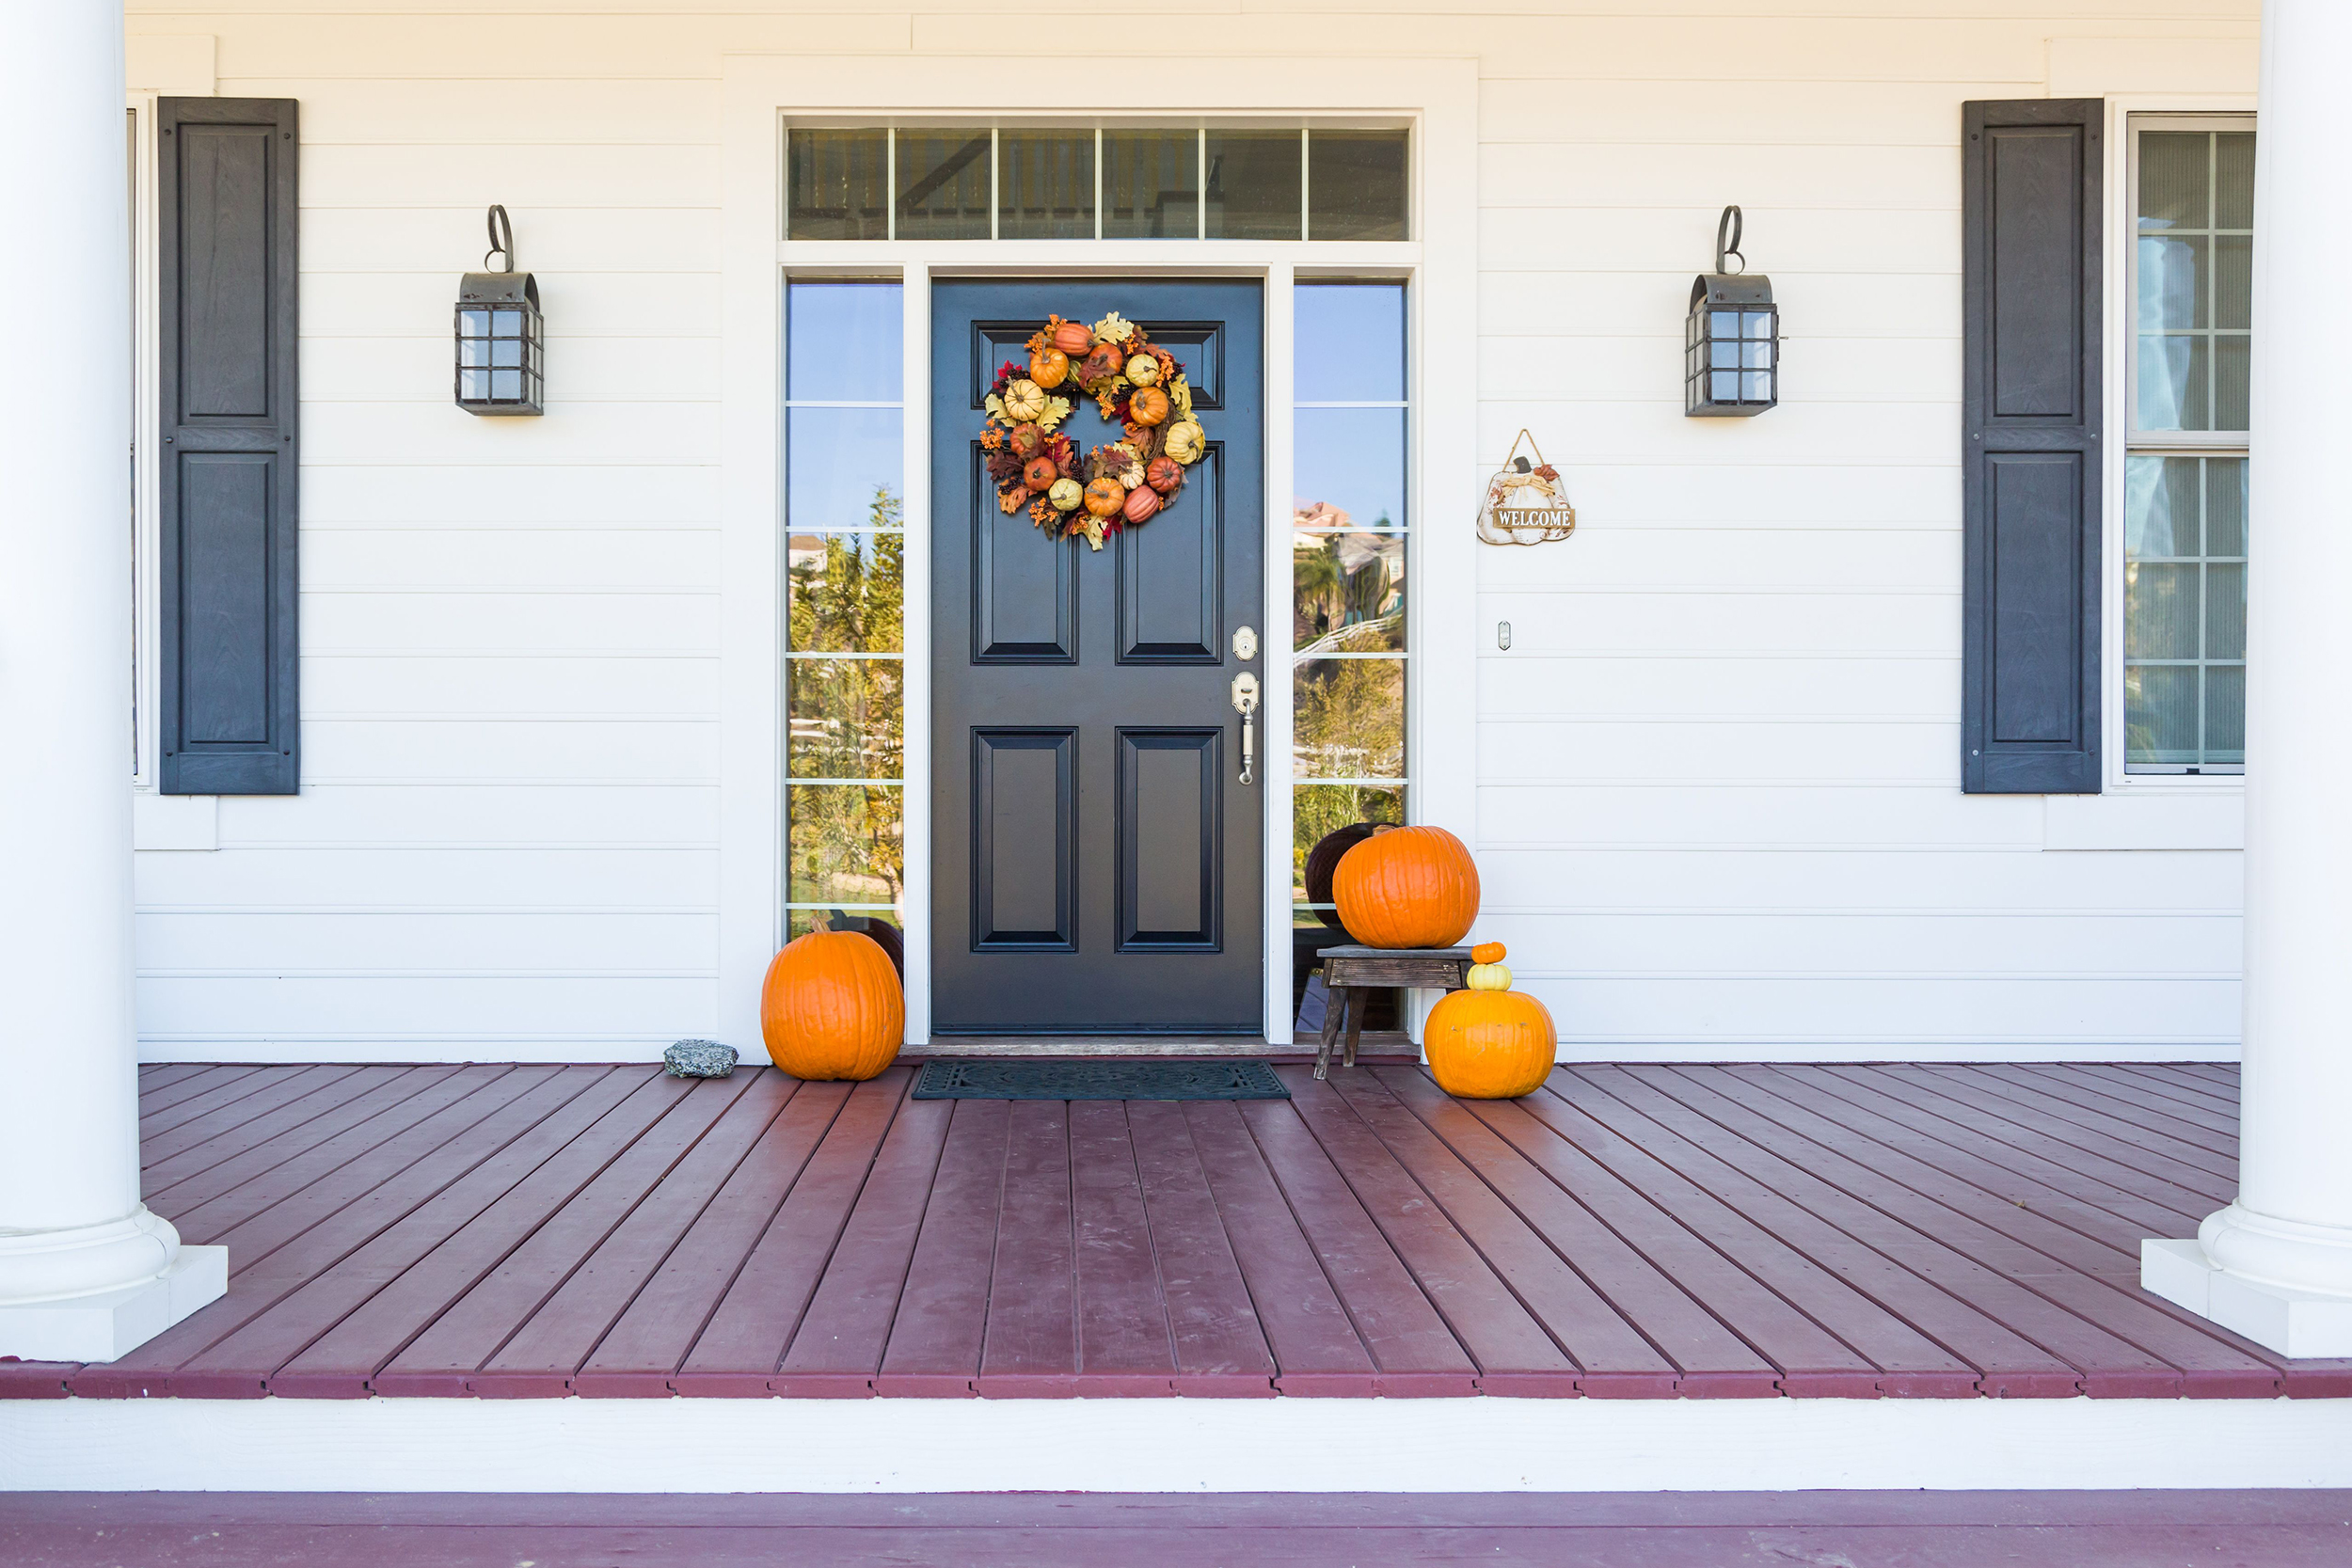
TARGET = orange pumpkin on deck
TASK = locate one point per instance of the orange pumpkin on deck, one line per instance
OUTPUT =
(1489, 1044)
(1407, 887)
(832, 1007)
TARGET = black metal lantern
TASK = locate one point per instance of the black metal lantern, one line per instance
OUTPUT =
(499, 333)
(1731, 342)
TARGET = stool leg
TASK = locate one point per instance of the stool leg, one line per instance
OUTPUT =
(1334, 1004)
(1359, 1003)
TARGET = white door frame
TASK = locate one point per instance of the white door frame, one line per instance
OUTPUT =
(1438, 99)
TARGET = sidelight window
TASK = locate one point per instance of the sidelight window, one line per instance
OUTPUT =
(844, 607)
(2184, 514)
(1349, 535)
(1087, 183)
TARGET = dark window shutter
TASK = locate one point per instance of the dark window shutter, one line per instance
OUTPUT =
(2031, 238)
(226, 324)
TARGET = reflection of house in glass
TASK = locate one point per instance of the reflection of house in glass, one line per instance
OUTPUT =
(1347, 585)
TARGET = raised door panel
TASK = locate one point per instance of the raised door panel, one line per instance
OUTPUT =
(1171, 572)
(1170, 840)
(1024, 840)
(223, 593)
(1025, 590)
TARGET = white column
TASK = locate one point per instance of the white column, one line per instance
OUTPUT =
(86, 1272)
(2277, 1264)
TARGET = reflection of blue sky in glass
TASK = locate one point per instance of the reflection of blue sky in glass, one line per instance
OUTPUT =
(834, 459)
(1351, 342)
(1351, 459)
(842, 341)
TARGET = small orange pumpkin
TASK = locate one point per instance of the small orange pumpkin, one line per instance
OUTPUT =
(1049, 368)
(1489, 1044)
(1027, 440)
(1073, 338)
(1164, 475)
(1100, 365)
(1039, 474)
(1147, 406)
(1141, 503)
(831, 1007)
(1105, 495)
(1407, 887)
(1489, 952)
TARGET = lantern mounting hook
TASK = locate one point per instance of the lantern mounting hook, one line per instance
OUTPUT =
(501, 241)
(1728, 230)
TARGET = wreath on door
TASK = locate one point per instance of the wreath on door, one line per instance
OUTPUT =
(1135, 384)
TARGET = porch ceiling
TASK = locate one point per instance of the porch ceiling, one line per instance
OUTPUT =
(1630, 1231)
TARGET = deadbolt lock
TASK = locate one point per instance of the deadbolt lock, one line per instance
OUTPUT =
(1246, 644)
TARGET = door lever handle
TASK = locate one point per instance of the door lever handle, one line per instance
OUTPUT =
(1246, 704)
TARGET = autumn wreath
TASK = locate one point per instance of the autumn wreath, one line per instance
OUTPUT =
(1136, 386)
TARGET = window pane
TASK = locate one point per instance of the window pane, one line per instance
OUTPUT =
(844, 717)
(2225, 505)
(2161, 611)
(2233, 183)
(1319, 811)
(2225, 714)
(2172, 384)
(2231, 387)
(2225, 611)
(2172, 281)
(1253, 185)
(1151, 184)
(843, 592)
(841, 917)
(2159, 507)
(842, 341)
(943, 185)
(2234, 282)
(2173, 167)
(1351, 338)
(844, 846)
(1348, 718)
(2160, 713)
(1347, 591)
(837, 185)
(1045, 184)
(1355, 184)
(841, 468)
(1349, 467)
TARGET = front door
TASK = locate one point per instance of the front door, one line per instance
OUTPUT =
(1096, 857)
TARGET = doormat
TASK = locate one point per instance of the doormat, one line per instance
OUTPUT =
(1049, 1078)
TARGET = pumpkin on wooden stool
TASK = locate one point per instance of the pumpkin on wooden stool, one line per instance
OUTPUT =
(1489, 1042)
(832, 1007)
(1407, 887)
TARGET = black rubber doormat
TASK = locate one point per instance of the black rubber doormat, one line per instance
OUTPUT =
(1048, 1078)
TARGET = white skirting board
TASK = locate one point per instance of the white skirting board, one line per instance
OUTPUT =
(1292, 1445)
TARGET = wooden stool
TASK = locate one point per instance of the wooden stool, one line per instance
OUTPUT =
(1350, 973)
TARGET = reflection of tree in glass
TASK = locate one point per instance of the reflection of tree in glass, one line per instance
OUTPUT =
(1320, 809)
(1347, 591)
(845, 595)
(1348, 718)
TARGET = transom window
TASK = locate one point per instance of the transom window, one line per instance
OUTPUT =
(2185, 512)
(1094, 182)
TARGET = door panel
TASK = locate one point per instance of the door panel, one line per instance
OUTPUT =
(1096, 860)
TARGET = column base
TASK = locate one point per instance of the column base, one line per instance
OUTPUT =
(110, 1323)
(2292, 1323)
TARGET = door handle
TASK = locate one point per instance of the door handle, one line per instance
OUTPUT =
(1246, 704)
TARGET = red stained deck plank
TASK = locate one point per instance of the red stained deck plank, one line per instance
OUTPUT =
(1708, 1358)
(1413, 1349)
(326, 1339)
(641, 1353)
(1990, 1084)
(2122, 1162)
(2220, 1079)
(158, 1142)
(743, 1344)
(36, 1380)
(237, 1157)
(2122, 1105)
(2146, 1085)
(838, 1348)
(942, 1320)
(324, 1211)
(204, 1080)
(155, 1077)
(539, 1357)
(1615, 1358)
(2044, 1348)
(1220, 1348)
(1125, 1342)
(1032, 1346)
(1317, 1350)
(1572, 1108)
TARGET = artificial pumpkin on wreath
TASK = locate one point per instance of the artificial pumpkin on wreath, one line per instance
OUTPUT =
(832, 1007)
(1489, 1042)
(1407, 887)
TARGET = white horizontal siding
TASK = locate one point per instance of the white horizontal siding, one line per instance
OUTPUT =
(1719, 813)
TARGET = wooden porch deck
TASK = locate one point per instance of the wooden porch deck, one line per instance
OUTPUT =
(1629, 1232)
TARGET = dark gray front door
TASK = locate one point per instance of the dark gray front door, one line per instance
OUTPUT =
(1096, 863)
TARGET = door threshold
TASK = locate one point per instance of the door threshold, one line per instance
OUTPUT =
(1383, 1045)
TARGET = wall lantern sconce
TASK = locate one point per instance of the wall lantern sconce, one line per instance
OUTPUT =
(1731, 343)
(499, 333)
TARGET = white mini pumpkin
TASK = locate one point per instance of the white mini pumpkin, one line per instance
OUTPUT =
(1025, 399)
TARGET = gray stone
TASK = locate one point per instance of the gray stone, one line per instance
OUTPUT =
(699, 1059)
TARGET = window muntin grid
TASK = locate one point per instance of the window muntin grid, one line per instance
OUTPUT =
(1098, 181)
(844, 653)
(498, 355)
(1730, 356)
(2184, 511)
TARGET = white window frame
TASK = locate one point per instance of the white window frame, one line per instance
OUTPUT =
(1436, 100)
(2126, 113)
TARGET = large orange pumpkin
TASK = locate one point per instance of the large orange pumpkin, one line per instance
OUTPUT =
(832, 1007)
(1489, 1044)
(1407, 887)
